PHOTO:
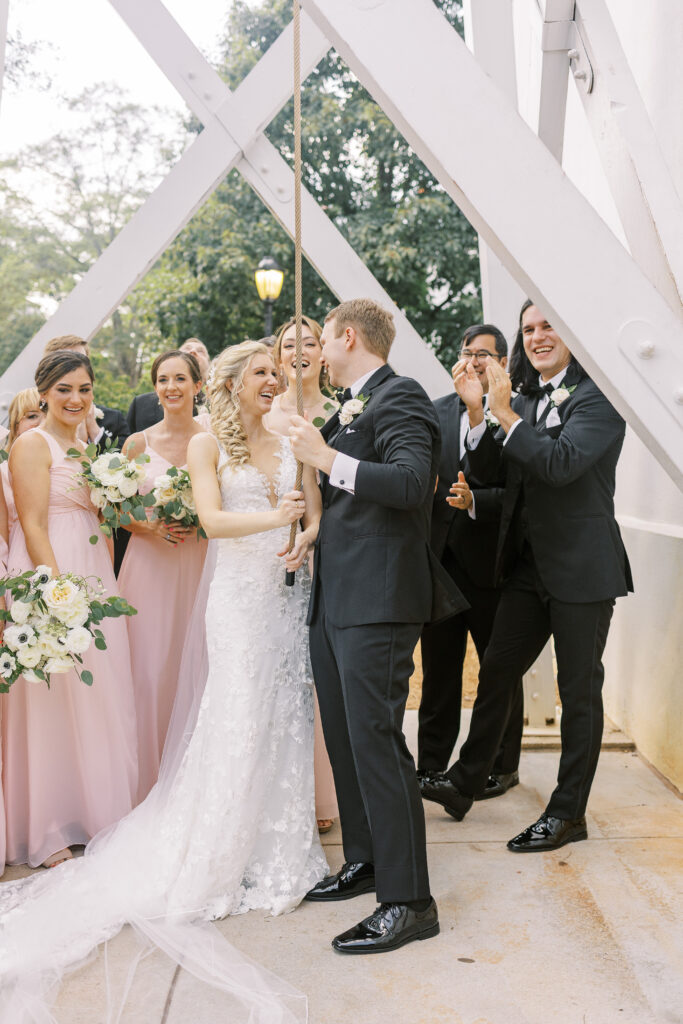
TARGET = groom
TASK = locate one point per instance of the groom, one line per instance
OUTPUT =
(375, 583)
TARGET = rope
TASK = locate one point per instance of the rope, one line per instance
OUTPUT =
(298, 301)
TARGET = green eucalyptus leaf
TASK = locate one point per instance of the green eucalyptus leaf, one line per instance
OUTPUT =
(86, 677)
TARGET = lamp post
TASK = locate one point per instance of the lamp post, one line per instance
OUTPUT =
(268, 276)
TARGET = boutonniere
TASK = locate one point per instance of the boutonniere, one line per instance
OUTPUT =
(491, 420)
(351, 409)
(560, 395)
(99, 413)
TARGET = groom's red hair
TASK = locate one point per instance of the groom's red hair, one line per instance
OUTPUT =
(374, 324)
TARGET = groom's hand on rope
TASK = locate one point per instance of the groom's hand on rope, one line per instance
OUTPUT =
(291, 508)
(308, 445)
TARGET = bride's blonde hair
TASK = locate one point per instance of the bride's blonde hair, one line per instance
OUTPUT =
(224, 401)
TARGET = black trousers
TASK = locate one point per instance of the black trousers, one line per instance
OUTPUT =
(527, 616)
(361, 676)
(443, 646)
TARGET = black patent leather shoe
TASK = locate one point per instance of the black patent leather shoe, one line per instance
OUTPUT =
(441, 790)
(549, 833)
(425, 776)
(496, 785)
(352, 880)
(391, 926)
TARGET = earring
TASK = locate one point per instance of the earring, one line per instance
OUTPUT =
(42, 405)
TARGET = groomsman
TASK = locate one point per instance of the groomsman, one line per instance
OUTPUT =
(562, 560)
(464, 533)
(375, 583)
(145, 410)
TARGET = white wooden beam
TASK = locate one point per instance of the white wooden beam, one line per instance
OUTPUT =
(542, 228)
(489, 34)
(649, 206)
(4, 14)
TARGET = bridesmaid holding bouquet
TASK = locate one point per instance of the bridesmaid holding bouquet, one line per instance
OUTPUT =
(318, 408)
(163, 564)
(69, 753)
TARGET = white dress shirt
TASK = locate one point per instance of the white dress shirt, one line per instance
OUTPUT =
(344, 467)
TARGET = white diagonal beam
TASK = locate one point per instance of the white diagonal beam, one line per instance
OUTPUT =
(545, 232)
(552, 100)
(489, 33)
(649, 206)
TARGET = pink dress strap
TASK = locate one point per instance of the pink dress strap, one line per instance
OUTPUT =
(55, 450)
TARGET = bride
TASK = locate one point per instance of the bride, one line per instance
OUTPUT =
(230, 826)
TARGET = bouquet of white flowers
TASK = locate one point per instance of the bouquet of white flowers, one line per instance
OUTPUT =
(114, 482)
(52, 622)
(173, 500)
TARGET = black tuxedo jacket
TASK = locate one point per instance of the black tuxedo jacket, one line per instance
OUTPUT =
(115, 429)
(472, 542)
(144, 411)
(372, 556)
(564, 478)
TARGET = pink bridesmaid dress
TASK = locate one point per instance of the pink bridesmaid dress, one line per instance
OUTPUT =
(70, 752)
(3, 838)
(161, 581)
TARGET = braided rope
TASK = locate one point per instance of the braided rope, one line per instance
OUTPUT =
(298, 300)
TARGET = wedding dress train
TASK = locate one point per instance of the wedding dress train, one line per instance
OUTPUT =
(230, 826)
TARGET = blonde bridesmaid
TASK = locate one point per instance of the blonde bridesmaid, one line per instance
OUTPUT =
(69, 753)
(316, 406)
(162, 565)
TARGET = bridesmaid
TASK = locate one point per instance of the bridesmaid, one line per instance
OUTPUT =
(70, 759)
(24, 414)
(3, 570)
(163, 564)
(316, 404)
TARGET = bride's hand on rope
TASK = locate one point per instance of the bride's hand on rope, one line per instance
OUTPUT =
(291, 508)
(303, 545)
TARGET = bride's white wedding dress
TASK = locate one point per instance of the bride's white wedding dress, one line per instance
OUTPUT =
(231, 825)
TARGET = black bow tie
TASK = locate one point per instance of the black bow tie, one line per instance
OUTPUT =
(345, 396)
(538, 390)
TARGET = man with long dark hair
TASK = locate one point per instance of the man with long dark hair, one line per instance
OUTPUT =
(561, 559)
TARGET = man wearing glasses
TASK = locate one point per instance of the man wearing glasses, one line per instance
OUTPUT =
(464, 536)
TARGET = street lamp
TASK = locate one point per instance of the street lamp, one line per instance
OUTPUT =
(269, 276)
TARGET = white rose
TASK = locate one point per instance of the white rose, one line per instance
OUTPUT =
(114, 494)
(128, 485)
(7, 665)
(18, 636)
(188, 501)
(20, 610)
(49, 646)
(76, 615)
(490, 418)
(353, 406)
(99, 413)
(98, 497)
(78, 640)
(28, 657)
(57, 666)
(61, 593)
(559, 395)
(163, 493)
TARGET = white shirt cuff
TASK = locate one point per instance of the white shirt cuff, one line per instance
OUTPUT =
(343, 472)
(475, 434)
(511, 431)
(98, 437)
(472, 510)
